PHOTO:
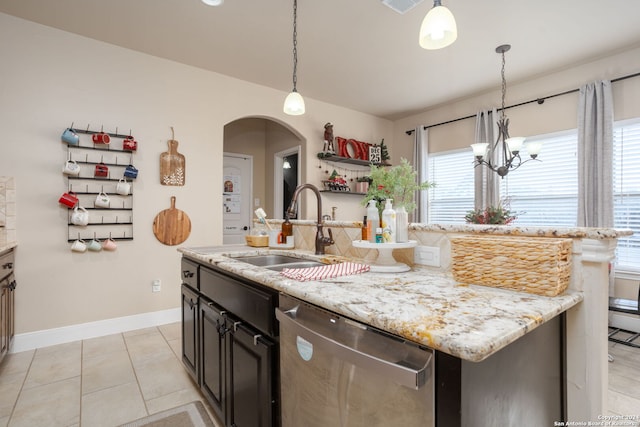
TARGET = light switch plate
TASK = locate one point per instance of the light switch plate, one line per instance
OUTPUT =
(427, 255)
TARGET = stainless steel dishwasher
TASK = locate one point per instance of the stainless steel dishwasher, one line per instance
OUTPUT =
(339, 373)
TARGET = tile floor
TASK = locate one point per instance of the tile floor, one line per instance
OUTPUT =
(115, 379)
(104, 381)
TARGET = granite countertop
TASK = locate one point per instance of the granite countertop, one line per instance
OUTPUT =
(424, 306)
(7, 246)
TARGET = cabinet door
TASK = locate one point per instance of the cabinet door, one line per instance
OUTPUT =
(190, 331)
(212, 352)
(4, 317)
(251, 389)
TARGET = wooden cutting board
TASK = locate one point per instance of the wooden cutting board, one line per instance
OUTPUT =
(172, 226)
(172, 164)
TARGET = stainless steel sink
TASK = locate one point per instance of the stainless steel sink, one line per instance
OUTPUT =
(267, 260)
(302, 264)
(278, 262)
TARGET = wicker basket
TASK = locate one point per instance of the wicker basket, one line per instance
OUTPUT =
(540, 266)
(257, 241)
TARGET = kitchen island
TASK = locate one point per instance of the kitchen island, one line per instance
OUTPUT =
(469, 325)
(429, 308)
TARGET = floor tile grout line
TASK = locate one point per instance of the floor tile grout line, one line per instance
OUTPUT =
(81, 381)
(24, 380)
(135, 374)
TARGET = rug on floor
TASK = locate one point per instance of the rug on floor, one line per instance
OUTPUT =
(190, 415)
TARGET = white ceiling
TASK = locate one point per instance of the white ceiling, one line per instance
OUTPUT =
(356, 53)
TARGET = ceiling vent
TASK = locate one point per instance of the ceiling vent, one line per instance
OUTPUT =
(401, 6)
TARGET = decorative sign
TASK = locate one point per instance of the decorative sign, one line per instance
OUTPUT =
(375, 154)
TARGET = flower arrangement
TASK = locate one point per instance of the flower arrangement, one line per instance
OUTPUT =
(490, 215)
(398, 183)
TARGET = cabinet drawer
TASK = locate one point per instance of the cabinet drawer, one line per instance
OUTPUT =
(251, 304)
(189, 273)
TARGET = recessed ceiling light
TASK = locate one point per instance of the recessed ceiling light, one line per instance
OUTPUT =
(213, 2)
(401, 6)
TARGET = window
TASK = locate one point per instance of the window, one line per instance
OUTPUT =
(452, 196)
(545, 193)
(626, 192)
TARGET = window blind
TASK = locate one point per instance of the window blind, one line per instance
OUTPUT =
(452, 196)
(626, 192)
(545, 192)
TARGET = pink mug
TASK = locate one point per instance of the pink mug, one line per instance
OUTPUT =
(109, 244)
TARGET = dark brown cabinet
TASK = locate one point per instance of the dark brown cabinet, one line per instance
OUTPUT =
(7, 301)
(213, 355)
(234, 357)
(190, 330)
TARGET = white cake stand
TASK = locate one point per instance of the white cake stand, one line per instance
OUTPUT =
(385, 263)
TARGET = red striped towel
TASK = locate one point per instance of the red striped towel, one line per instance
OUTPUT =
(325, 271)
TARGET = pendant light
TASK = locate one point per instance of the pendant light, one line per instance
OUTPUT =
(508, 147)
(438, 28)
(213, 2)
(294, 104)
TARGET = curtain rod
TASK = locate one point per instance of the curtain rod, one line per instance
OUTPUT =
(538, 100)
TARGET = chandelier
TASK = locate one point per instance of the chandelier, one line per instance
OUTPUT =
(507, 147)
(294, 103)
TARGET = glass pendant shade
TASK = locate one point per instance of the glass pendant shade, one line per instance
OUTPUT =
(515, 144)
(294, 104)
(438, 28)
(534, 148)
(213, 2)
(479, 149)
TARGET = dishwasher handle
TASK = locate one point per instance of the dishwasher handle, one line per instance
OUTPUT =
(403, 375)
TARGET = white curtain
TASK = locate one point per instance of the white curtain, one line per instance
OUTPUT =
(421, 166)
(595, 155)
(487, 132)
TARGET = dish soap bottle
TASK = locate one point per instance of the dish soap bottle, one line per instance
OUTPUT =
(287, 229)
(388, 223)
(373, 220)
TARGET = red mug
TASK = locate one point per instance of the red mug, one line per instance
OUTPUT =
(129, 144)
(101, 138)
(69, 199)
(101, 171)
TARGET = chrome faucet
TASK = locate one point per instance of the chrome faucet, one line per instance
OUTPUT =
(321, 240)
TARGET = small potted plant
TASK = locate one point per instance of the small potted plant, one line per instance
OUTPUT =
(497, 215)
(362, 184)
(398, 183)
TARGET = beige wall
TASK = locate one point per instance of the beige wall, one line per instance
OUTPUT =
(51, 78)
(555, 114)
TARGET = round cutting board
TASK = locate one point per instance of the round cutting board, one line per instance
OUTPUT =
(172, 226)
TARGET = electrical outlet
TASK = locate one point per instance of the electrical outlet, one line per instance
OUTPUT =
(427, 255)
(156, 285)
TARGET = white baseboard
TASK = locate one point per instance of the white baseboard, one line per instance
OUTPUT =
(49, 337)
(630, 322)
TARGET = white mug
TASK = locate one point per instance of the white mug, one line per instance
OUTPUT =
(71, 168)
(80, 216)
(123, 187)
(79, 246)
(102, 200)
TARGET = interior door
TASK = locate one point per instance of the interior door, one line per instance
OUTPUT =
(237, 188)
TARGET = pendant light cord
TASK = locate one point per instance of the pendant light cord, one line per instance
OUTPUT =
(295, 45)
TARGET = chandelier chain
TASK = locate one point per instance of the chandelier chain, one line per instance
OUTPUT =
(295, 44)
(504, 86)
